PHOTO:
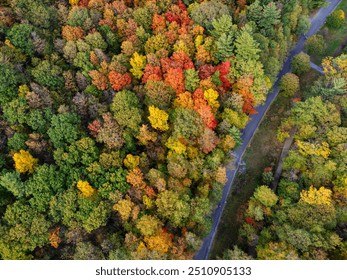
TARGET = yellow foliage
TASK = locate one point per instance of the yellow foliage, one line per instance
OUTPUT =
(147, 202)
(23, 90)
(316, 197)
(24, 162)
(131, 161)
(124, 208)
(161, 242)
(9, 44)
(73, 2)
(192, 152)
(85, 188)
(199, 40)
(176, 146)
(211, 97)
(306, 148)
(138, 63)
(158, 118)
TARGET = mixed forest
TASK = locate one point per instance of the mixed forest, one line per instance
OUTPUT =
(117, 119)
(305, 216)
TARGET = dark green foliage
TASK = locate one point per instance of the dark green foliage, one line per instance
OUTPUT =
(8, 83)
(20, 36)
(48, 75)
(64, 129)
(301, 63)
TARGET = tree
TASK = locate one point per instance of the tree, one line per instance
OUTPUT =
(125, 108)
(313, 196)
(265, 196)
(49, 75)
(64, 129)
(24, 162)
(20, 36)
(336, 19)
(172, 207)
(148, 225)
(206, 12)
(301, 63)
(119, 81)
(138, 63)
(85, 188)
(315, 45)
(8, 83)
(158, 118)
(289, 84)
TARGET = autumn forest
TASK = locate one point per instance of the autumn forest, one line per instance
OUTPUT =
(118, 120)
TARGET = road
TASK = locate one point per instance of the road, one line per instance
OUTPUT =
(316, 23)
(317, 68)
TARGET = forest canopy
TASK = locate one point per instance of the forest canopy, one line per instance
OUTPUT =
(117, 118)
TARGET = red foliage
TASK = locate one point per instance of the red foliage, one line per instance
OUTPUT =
(206, 113)
(170, 17)
(250, 220)
(119, 81)
(152, 73)
(181, 5)
(83, 3)
(223, 69)
(178, 60)
(206, 71)
(268, 169)
(94, 127)
(175, 78)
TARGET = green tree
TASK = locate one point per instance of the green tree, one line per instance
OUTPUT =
(301, 63)
(126, 110)
(64, 129)
(289, 84)
(20, 36)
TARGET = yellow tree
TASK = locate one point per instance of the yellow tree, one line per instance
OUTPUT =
(211, 97)
(124, 207)
(138, 63)
(158, 118)
(85, 188)
(314, 196)
(24, 162)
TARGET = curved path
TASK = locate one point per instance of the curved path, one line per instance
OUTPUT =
(316, 23)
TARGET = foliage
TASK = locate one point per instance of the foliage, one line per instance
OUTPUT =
(24, 162)
(289, 84)
(135, 106)
(336, 19)
(301, 63)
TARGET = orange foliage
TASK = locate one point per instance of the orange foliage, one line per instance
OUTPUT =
(99, 80)
(152, 73)
(54, 238)
(175, 78)
(158, 23)
(242, 87)
(119, 81)
(135, 178)
(72, 33)
(149, 191)
(178, 59)
(185, 100)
